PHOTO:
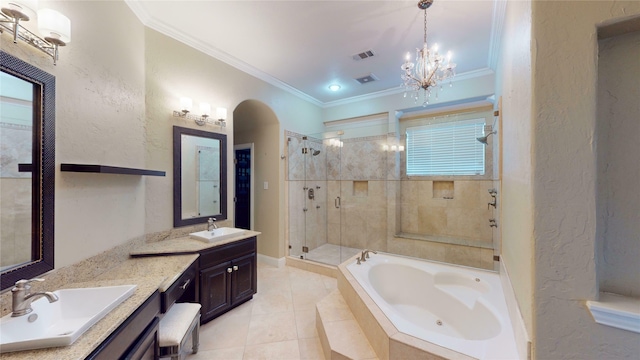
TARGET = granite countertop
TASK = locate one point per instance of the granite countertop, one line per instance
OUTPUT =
(184, 245)
(149, 274)
(171, 267)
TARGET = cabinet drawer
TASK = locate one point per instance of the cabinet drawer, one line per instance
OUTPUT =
(187, 281)
(227, 252)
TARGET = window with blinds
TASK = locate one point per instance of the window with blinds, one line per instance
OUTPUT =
(447, 148)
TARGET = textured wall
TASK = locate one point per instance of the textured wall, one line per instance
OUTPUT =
(174, 70)
(564, 180)
(99, 120)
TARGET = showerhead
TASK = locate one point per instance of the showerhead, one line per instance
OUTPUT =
(483, 139)
(314, 152)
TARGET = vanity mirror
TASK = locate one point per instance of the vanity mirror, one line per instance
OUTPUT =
(27, 170)
(199, 176)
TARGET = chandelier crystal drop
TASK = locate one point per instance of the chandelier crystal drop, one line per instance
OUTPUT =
(430, 69)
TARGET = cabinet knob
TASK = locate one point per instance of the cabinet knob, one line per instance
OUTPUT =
(229, 270)
(235, 267)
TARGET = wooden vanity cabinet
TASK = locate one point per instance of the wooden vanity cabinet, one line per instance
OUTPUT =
(228, 277)
(136, 338)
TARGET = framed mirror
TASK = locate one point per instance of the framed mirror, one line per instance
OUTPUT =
(199, 176)
(27, 170)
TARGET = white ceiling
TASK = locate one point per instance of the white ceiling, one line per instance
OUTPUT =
(304, 46)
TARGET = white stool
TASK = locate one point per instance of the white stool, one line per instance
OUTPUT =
(175, 326)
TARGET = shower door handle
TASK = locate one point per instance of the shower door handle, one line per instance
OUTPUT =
(337, 202)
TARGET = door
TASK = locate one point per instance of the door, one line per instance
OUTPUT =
(215, 287)
(243, 278)
(243, 189)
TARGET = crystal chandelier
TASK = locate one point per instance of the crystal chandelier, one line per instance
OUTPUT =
(429, 70)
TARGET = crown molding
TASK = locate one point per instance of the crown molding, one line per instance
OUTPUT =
(168, 30)
(399, 90)
(499, 13)
(216, 53)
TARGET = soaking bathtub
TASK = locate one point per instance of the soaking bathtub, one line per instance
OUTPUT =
(458, 308)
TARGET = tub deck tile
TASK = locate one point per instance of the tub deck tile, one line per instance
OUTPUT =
(340, 335)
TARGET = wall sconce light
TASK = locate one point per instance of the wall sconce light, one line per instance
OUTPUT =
(221, 114)
(205, 110)
(54, 27)
(395, 148)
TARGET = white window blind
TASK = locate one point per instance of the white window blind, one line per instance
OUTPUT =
(447, 148)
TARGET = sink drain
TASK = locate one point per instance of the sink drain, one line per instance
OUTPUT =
(477, 280)
(439, 322)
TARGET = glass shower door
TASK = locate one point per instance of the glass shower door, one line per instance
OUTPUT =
(296, 169)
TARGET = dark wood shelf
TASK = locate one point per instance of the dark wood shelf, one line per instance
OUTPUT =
(103, 169)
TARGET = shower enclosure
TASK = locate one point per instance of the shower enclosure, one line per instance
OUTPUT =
(337, 187)
(348, 191)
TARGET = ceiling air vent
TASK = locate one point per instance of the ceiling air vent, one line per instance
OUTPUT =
(363, 55)
(367, 79)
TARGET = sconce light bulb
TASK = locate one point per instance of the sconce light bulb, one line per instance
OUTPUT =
(205, 110)
(185, 104)
(221, 114)
(55, 27)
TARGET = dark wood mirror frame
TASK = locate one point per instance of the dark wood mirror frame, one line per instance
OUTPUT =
(43, 169)
(178, 221)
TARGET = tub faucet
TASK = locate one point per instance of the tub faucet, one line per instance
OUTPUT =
(365, 255)
(211, 224)
(22, 297)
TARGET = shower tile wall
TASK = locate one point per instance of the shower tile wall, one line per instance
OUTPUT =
(464, 216)
(360, 182)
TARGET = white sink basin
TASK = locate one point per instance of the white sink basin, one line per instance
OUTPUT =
(217, 234)
(62, 322)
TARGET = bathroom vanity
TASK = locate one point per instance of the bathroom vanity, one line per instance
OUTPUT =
(219, 275)
(226, 273)
(127, 330)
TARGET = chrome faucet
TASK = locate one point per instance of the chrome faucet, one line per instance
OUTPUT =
(22, 297)
(211, 224)
(365, 255)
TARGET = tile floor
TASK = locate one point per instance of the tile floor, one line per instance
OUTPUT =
(278, 323)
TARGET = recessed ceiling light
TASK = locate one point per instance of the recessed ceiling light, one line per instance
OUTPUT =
(334, 87)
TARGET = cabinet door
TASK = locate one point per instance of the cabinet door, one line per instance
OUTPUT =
(243, 278)
(215, 288)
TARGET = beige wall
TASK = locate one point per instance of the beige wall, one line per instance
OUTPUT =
(564, 97)
(514, 84)
(174, 70)
(99, 120)
(261, 128)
